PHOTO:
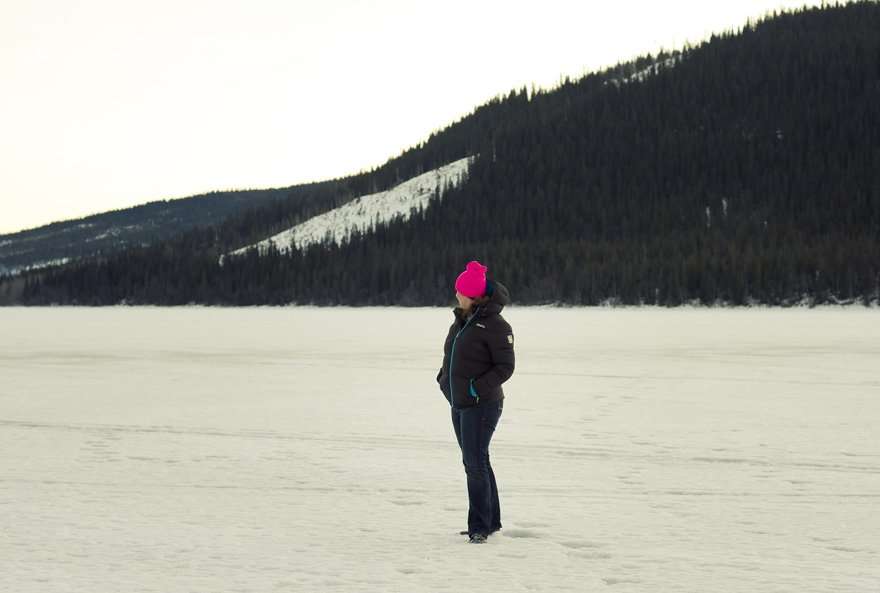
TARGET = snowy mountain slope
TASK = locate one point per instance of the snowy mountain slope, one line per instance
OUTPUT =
(107, 232)
(365, 212)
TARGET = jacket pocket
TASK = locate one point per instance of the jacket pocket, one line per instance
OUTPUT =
(461, 392)
(472, 392)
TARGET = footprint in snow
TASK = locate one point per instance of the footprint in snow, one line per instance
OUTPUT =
(532, 524)
(619, 581)
(520, 533)
(579, 545)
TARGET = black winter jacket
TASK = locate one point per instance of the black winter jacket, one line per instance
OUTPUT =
(479, 350)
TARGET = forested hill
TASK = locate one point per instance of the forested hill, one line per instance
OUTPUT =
(745, 169)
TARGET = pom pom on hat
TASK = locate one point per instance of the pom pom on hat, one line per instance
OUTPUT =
(472, 282)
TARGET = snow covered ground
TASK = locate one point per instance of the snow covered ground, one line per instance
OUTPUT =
(364, 212)
(307, 449)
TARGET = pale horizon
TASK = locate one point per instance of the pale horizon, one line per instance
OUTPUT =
(116, 106)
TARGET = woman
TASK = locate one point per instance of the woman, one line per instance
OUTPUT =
(477, 359)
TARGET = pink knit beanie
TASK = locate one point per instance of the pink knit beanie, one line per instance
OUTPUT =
(472, 282)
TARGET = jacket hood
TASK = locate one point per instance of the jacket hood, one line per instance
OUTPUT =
(500, 297)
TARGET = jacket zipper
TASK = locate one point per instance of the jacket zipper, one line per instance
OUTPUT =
(452, 356)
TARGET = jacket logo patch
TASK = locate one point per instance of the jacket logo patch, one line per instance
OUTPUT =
(481, 325)
(510, 338)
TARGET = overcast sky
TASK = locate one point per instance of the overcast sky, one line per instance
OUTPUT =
(111, 103)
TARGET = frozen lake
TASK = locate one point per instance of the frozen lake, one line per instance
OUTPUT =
(307, 449)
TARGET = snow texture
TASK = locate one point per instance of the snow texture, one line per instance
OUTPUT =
(308, 449)
(364, 212)
(14, 271)
(646, 73)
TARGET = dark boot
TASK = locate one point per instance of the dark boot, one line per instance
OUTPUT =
(477, 538)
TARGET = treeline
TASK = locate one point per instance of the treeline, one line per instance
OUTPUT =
(112, 231)
(746, 170)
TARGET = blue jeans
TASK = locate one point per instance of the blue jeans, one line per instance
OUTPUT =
(473, 429)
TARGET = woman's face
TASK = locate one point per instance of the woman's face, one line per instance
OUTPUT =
(463, 301)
